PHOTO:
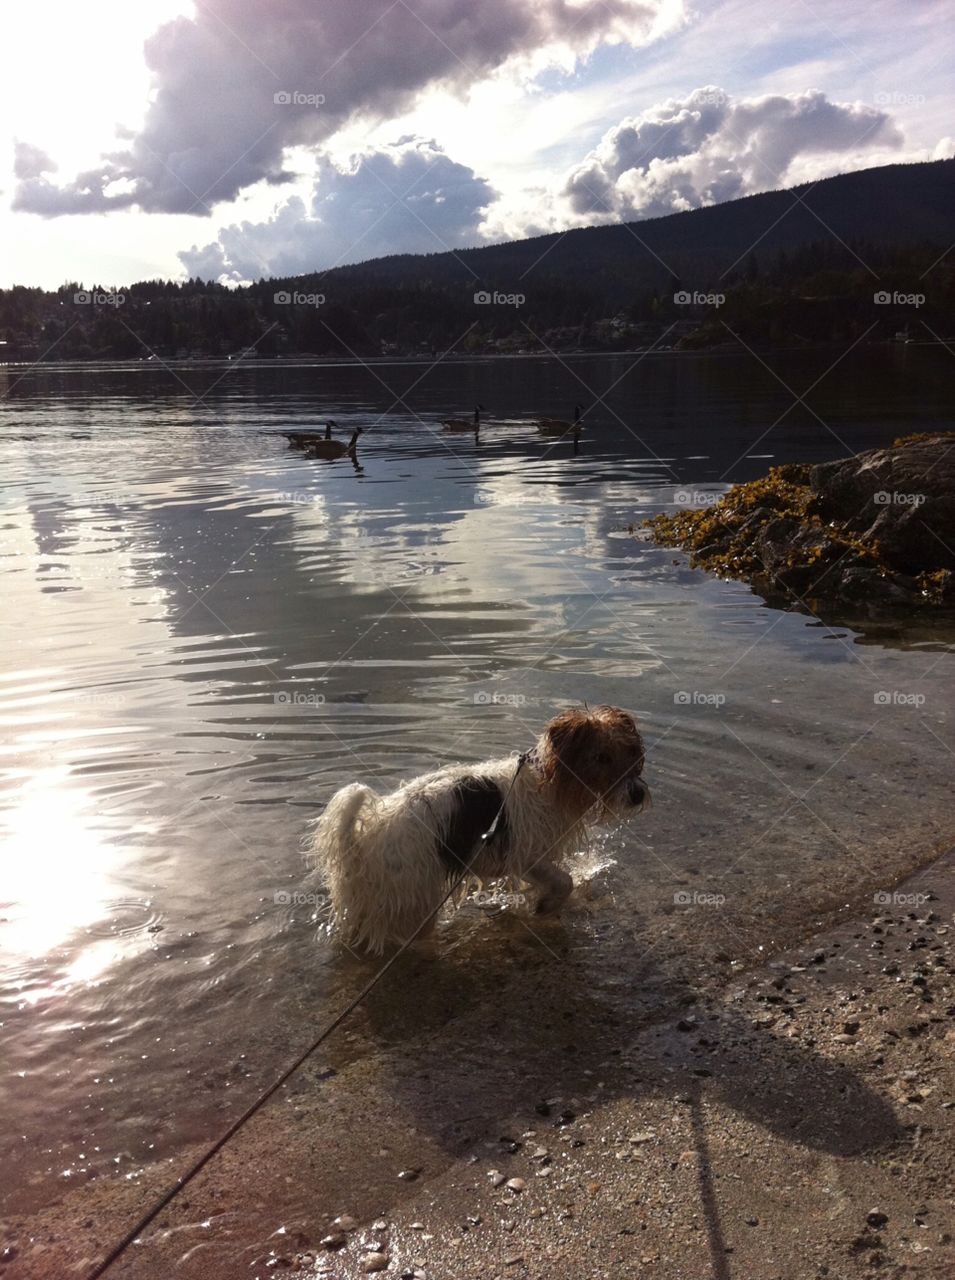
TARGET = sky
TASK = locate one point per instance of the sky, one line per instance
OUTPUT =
(236, 139)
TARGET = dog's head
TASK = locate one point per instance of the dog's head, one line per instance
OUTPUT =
(593, 760)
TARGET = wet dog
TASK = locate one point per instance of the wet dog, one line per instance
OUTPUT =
(389, 861)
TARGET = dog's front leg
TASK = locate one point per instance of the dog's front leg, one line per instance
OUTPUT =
(555, 887)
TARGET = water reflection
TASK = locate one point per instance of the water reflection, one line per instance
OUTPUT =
(213, 632)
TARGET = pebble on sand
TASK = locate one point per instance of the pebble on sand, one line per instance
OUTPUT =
(375, 1262)
(516, 1184)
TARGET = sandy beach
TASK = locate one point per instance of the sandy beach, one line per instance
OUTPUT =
(798, 1124)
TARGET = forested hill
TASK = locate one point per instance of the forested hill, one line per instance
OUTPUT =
(893, 206)
(861, 255)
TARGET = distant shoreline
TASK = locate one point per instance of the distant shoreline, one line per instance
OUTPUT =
(292, 362)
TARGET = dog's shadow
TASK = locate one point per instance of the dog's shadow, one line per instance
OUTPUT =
(495, 1023)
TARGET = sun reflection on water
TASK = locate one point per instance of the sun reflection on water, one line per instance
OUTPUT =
(56, 869)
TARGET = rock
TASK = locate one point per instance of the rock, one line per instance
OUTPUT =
(905, 493)
(516, 1184)
(375, 1262)
(337, 1240)
(876, 1219)
(861, 583)
(497, 1178)
(409, 1175)
(345, 1223)
(875, 531)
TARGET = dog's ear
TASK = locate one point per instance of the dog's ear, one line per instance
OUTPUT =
(623, 726)
(570, 743)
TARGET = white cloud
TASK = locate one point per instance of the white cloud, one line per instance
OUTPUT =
(680, 154)
(30, 162)
(406, 198)
(708, 148)
(239, 84)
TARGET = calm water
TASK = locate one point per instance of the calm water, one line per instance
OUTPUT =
(206, 633)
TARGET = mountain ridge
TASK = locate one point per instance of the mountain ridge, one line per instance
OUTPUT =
(917, 205)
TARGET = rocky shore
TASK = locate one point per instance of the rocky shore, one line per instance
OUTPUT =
(875, 531)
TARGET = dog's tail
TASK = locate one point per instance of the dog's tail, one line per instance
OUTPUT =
(338, 823)
(338, 831)
(348, 858)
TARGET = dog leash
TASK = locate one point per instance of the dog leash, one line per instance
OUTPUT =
(522, 760)
(184, 1179)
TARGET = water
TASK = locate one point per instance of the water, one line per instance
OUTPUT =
(206, 633)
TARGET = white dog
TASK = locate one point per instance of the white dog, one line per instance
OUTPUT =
(389, 861)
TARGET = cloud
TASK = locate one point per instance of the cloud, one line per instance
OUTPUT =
(240, 83)
(406, 198)
(30, 162)
(708, 148)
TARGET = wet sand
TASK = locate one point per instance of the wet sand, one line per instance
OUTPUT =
(796, 1120)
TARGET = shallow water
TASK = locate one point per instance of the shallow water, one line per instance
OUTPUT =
(206, 634)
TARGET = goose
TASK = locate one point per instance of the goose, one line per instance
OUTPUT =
(303, 439)
(465, 424)
(329, 448)
(559, 426)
